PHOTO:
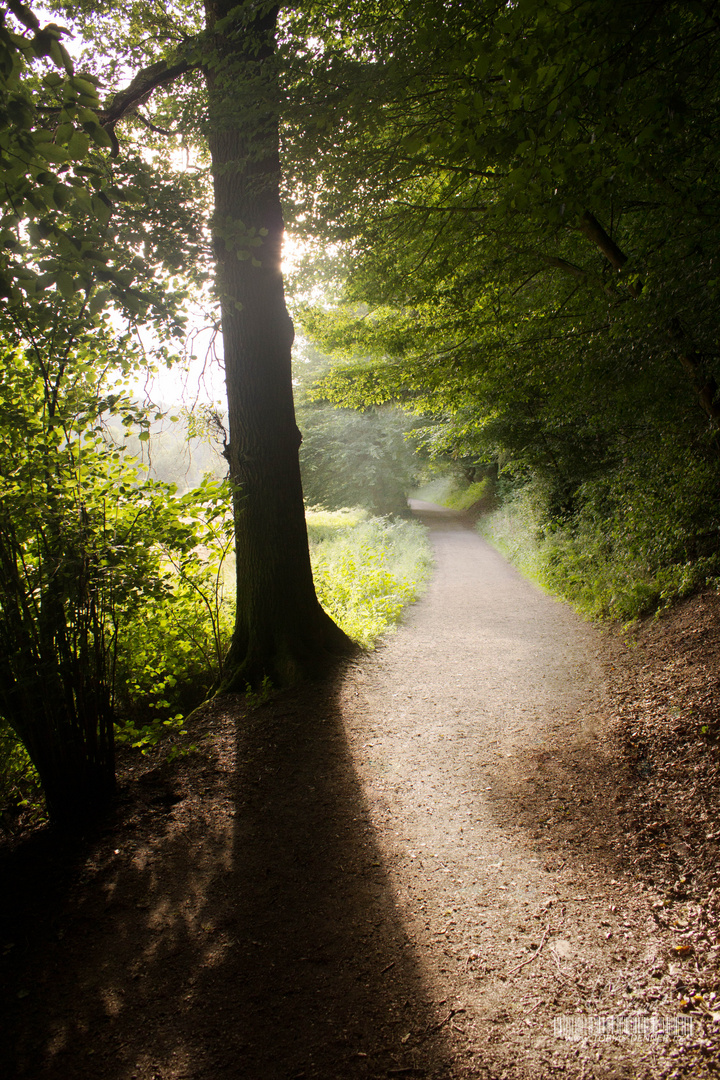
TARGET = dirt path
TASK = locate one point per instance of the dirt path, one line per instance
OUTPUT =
(416, 869)
(470, 731)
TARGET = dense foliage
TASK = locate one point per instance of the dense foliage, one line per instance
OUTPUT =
(532, 265)
(90, 550)
(87, 254)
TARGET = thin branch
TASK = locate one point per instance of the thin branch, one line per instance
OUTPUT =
(530, 959)
(153, 127)
(567, 267)
(567, 300)
(436, 1027)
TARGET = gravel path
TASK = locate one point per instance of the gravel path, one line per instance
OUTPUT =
(472, 732)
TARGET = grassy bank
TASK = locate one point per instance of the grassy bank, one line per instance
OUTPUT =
(366, 569)
(628, 548)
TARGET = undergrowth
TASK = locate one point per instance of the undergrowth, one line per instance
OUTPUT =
(464, 499)
(170, 647)
(634, 543)
(366, 569)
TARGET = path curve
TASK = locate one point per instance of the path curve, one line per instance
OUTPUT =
(468, 730)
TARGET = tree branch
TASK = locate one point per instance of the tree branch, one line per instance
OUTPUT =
(567, 267)
(137, 93)
(577, 272)
(593, 230)
(153, 127)
(591, 227)
(692, 361)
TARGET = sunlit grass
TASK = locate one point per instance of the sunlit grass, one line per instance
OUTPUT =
(367, 569)
(606, 567)
(329, 524)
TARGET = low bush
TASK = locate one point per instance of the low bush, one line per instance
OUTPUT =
(170, 649)
(635, 541)
(164, 629)
(366, 569)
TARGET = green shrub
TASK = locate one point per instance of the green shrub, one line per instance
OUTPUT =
(366, 569)
(329, 524)
(167, 663)
(637, 539)
(515, 529)
(436, 490)
(171, 648)
(464, 498)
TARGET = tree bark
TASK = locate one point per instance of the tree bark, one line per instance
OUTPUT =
(281, 631)
(593, 230)
(703, 381)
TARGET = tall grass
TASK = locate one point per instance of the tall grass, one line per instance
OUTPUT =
(366, 569)
(636, 542)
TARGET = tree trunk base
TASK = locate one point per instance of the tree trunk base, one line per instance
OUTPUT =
(286, 659)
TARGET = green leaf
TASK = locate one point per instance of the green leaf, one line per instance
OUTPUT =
(78, 145)
(52, 152)
(65, 284)
(98, 135)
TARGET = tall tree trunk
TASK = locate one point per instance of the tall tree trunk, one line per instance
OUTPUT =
(281, 631)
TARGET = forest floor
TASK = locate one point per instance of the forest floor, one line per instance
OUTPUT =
(448, 861)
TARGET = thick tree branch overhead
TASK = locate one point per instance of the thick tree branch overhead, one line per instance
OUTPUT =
(593, 230)
(142, 86)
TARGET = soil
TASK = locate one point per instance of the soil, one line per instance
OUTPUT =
(487, 849)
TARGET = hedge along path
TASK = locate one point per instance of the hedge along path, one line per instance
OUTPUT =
(478, 732)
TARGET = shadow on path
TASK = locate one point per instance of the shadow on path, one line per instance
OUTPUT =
(237, 922)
